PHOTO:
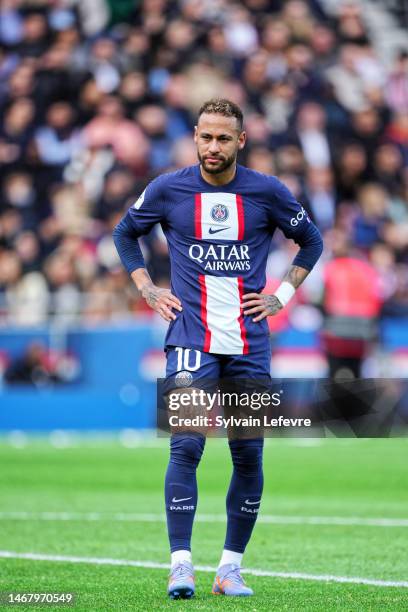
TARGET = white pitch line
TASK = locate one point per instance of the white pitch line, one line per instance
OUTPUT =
(205, 518)
(8, 554)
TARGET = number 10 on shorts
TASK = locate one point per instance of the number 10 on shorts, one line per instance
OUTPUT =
(188, 359)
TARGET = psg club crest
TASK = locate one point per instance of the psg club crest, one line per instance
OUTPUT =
(219, 213)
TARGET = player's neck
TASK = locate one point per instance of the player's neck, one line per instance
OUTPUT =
(223, 178)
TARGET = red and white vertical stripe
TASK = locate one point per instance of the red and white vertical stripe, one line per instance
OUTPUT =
(221, 315)
(221, 297)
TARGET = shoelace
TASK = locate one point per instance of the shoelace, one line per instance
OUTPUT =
(235, 576)
(181, 571)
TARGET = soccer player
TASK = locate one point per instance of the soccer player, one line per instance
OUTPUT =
(218, 218)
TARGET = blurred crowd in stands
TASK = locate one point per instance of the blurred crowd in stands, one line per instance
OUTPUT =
(97, 97)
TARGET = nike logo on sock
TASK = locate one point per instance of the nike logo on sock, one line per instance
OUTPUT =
(215, 231)
(251, 503)
(176, 501)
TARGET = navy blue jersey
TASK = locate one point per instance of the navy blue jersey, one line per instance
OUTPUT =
(219, 239)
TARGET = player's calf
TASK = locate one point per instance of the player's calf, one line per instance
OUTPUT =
(244, 493)
(181, 488)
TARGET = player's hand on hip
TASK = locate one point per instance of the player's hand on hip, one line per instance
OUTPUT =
(261, 304)
(162, 301)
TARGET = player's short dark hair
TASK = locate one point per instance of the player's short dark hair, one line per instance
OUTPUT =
(222, 106)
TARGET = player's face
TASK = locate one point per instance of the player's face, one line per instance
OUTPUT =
(218, 140)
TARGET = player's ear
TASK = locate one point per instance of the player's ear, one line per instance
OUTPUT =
(195, 133)
(242, 140)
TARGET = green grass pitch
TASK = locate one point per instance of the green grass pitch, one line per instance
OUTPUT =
(312, 478)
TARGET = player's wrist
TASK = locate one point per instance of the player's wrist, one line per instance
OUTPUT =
(285, 293)
(142, 279)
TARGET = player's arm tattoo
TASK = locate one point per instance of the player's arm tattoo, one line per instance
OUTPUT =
(272, 304)
(159, 299)
(296, 275)
(162, 301)
(262, 305)
(151, 295)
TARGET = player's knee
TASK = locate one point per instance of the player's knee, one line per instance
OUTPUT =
(187, 449)
(247, 456)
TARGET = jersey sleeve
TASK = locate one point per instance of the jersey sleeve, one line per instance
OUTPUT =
(148, 208)
(139, 220)
(285, 211)
(290, 216)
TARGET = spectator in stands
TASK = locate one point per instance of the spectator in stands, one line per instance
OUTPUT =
(27, 247)
(20, 194)
(16, 132)
(351, 168)
(374, 206)
(311, 132)
(119, 189)
(348, 85)
(352, 303)
(388, 167)
(111, 128)
(397, 84)
(320, 196)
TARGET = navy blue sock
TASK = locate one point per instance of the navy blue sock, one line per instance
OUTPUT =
(181, 487)
(244, 492)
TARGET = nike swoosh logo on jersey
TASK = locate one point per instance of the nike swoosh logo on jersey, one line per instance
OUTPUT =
(252, 503)
(176, 501)
(215, 231)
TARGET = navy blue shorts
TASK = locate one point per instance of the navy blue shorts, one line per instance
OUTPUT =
(190, 367)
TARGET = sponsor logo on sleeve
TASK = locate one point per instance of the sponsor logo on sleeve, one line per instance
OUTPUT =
(299, 217)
